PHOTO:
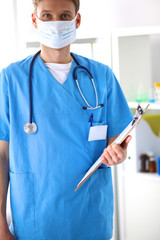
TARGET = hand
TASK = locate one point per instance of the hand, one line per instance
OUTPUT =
(115, 153)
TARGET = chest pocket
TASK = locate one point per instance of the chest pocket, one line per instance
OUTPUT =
(97, 138)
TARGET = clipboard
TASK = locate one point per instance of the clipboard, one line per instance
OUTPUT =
(138, 116)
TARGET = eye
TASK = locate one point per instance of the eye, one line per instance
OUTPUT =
(47, 16)
(66, 16)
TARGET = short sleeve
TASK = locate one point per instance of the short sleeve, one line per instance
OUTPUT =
(4, 108)
(118, 111)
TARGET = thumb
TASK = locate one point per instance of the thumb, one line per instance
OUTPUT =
(125, 143)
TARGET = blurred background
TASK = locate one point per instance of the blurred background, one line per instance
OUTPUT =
(125, 35)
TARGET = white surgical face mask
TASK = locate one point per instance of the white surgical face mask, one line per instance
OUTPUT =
(56, 34)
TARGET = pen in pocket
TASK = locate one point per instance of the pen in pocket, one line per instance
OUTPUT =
(91, 119)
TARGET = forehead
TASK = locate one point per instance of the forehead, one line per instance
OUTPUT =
(56, 5)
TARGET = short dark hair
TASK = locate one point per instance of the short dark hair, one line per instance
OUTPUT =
(76, 4)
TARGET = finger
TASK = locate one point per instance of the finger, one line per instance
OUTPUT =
(106, 158)
(113, 154)
(119, 152)
(109, 156)
(128, 138)
(125, 143)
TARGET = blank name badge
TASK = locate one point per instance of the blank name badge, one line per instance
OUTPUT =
(98, 133)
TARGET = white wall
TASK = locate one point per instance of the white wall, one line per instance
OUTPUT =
(96, 17)
(131, 13)
(7, 33)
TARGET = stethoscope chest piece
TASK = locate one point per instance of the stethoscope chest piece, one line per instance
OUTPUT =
(30, 128)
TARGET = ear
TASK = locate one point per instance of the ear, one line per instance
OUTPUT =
(78, 20)
(34, 20)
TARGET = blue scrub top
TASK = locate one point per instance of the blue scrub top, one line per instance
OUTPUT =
(46, 167)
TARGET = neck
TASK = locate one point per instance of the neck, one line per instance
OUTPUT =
(50, 55)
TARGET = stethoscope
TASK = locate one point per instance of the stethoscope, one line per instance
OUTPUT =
(31, 127)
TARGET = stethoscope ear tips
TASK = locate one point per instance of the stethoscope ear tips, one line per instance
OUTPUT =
(84, 108)
(102, 105)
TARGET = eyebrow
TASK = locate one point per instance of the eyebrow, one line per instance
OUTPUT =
(44, 11)
(65, 11)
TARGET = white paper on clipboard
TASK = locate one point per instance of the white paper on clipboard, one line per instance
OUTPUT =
(118, 140)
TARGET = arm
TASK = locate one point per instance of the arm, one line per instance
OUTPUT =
(115, 153)
(4, 180)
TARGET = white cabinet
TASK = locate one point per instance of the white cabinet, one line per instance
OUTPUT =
(136, 64)
(136, 57)
(138, 194)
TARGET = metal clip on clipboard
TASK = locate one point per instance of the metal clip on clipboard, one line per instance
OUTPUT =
(139, 113)
(138, 116)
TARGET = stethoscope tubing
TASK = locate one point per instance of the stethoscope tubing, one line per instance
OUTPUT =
(31, 127)
(30, 86)
(75, 71)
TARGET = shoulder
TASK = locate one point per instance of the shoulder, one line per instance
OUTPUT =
(103, 73)
(92, 64)
(18, 66)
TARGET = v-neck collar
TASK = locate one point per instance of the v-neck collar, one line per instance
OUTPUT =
(69, 77)
(66, 88)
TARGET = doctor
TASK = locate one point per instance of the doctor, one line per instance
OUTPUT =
(71, 128)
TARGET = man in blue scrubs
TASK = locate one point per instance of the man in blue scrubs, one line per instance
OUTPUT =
(44, 168)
